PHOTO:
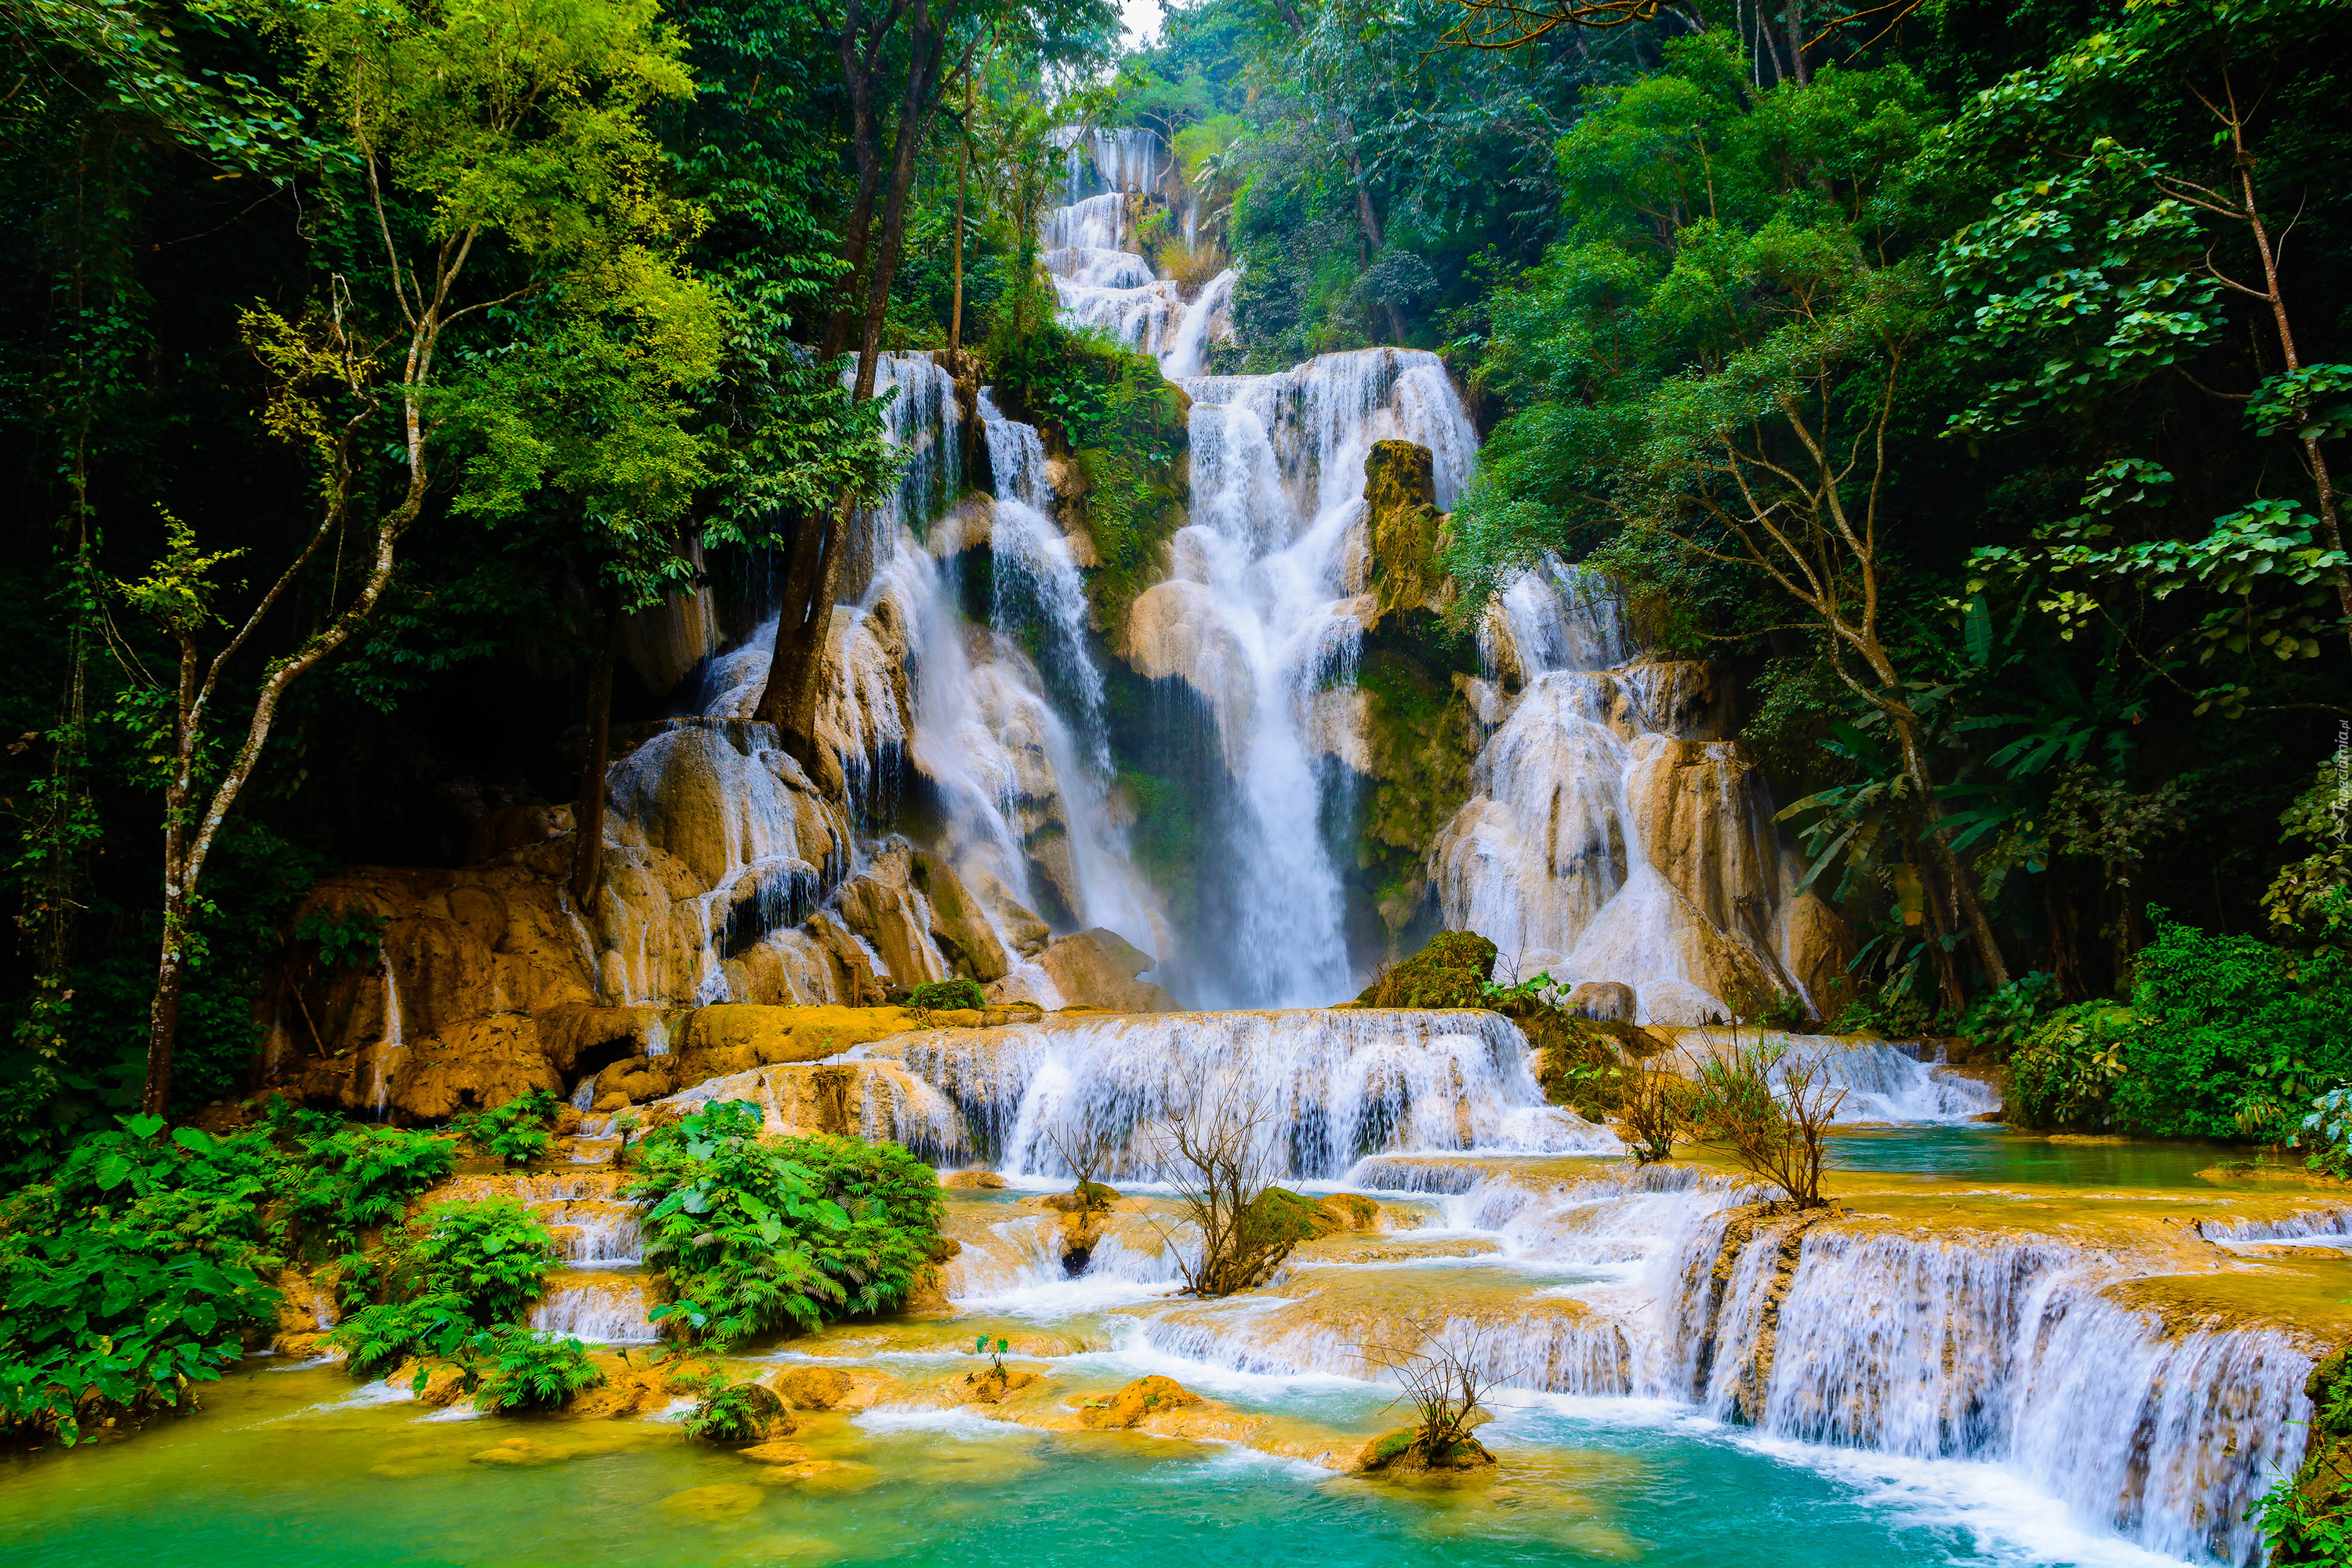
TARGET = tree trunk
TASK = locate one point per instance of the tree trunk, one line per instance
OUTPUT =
(1367, 220)
(804, 623)
(588, 811)
(1794, 17)
(1964, 886)
(963, 174)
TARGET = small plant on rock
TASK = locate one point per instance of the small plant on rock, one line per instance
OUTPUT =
(1220, 1157)
(994, 1353)
(1446, 1369)
(1773, 1105)
(737, 1413)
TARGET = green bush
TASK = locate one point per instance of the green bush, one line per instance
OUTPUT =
(1893, 1014)
(2226, 1036)
(458, 1269)
(948, 995)
(516, 1131)
(2237, 1035)
(531, 1370)
(1452, 971)
(336, 1182)
(2002, 1020)
(756, 1235)
(734, 1412)
(2065, 1073)
(133, 1271)
(2326, 1136)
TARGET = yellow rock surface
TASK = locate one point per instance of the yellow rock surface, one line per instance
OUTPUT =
(726, 1500)
(1143, 1397)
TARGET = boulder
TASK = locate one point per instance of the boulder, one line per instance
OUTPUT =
(1607, 1001)
(1342, 1212)
(1097, 968)
(1146, 1396)
(812, 1387)
(972, 1181)
(957, 925)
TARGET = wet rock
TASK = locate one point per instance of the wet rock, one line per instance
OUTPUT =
(775, 1453)
(1401, 509)
(1342, 1212)
(714, 1502)
(1146, 1396)
(1608, 1001)
(822, 1475)
(972, 1181)
(958, 926)
(1097, 968)
(992, 1387)
(1402, 1453)
(730, 1038)
(305, 1312)
(881, 905)
(812, 1387)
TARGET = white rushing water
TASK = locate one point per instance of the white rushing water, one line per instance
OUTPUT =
(1331, 1087)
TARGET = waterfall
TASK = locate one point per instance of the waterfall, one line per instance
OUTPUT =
(1609, 836)
(1203, 320)
(1333, 1087)
(1255, 616)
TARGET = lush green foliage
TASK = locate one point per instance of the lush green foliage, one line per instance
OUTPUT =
(948, 995)
(457, 1271)
(754, 1234)
(516, 1131)
(129, 1274)
(734, 1412)
(2226, 1036)
(531, 1370)
(140, 1262)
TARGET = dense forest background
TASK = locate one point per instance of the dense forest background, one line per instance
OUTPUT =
(1965, 375)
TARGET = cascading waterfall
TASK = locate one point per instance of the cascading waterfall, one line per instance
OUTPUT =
(1257, 617)
(1332, 1087)
(1607, 838)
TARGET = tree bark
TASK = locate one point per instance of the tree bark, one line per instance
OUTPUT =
(963, 175)
(588, 811)
(805, 621)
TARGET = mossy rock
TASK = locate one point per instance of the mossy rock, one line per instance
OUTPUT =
(1451, 972)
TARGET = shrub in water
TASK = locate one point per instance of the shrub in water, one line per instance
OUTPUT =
(735, 1412)
(527, 1371)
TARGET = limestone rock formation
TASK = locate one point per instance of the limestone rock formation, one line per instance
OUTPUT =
(1146, 1396)
(1609, 1001)
(1098, 968)
(1400, 510)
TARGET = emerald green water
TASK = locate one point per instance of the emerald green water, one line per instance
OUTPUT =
(1999, 1154)
(275, 1471)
